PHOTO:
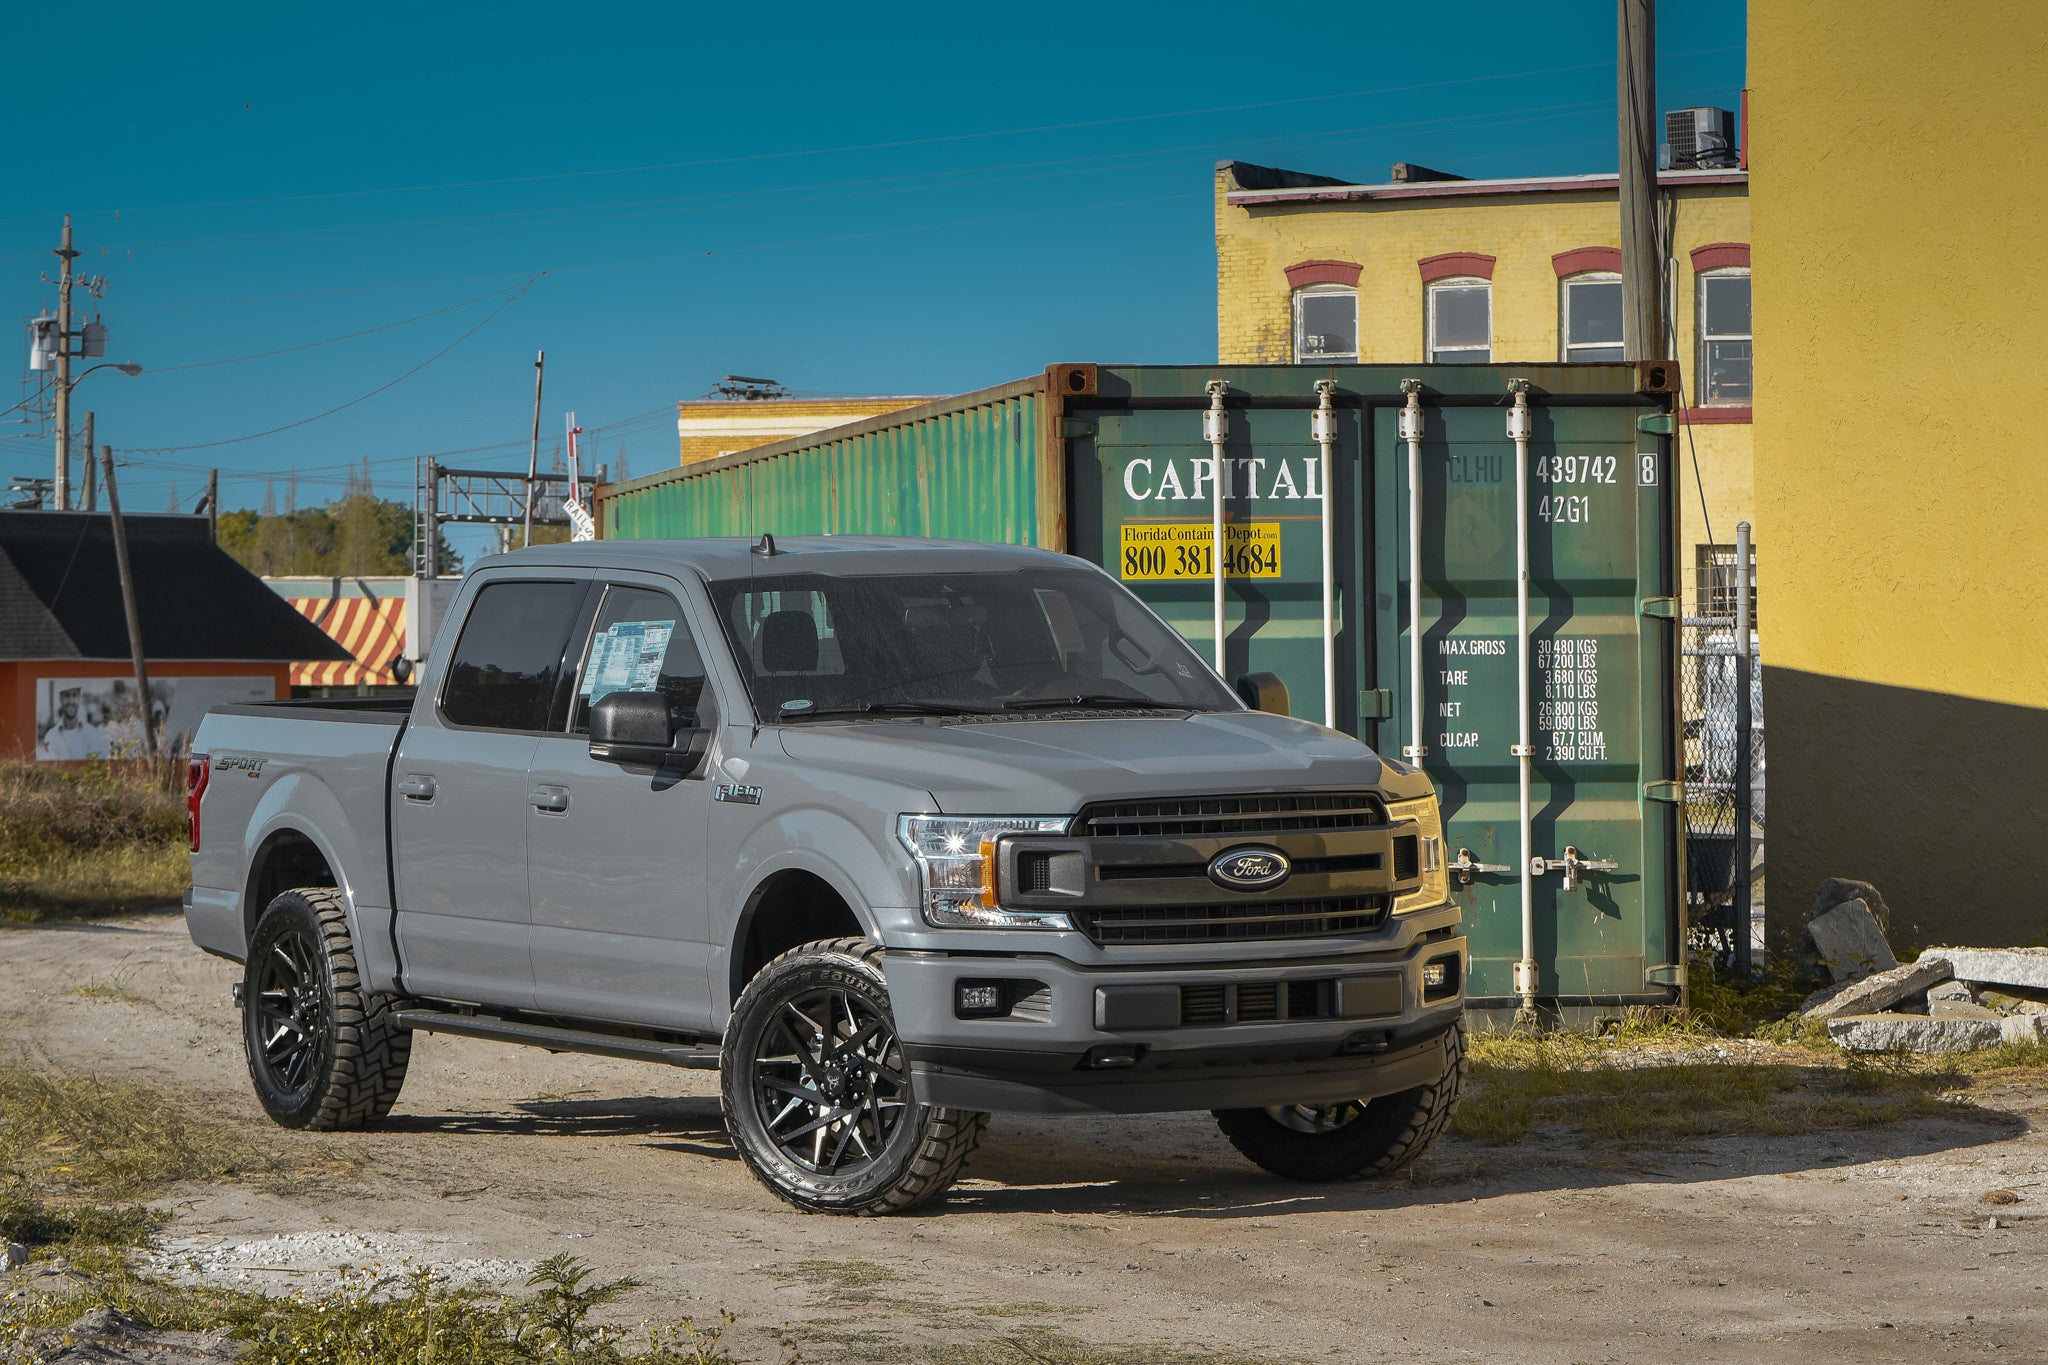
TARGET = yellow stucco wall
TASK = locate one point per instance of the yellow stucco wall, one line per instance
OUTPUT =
(711, 427)
(1901, 204)
(1522, 231)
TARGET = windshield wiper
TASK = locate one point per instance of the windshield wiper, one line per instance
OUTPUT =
(884, 708)
(1088, 700)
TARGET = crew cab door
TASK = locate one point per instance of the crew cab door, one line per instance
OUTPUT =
(459, 789)
(616, 853)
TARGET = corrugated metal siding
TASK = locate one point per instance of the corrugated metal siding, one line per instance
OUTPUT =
(970, 468)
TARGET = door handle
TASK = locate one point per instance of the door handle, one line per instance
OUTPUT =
(416, 787)
(549, 798)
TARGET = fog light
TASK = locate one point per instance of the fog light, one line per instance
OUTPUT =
(972, 999)
(1440, 978)
(1111, 1055)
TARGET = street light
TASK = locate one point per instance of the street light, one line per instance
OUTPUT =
(62, 495)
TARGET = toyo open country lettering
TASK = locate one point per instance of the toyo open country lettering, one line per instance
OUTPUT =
(892, 833)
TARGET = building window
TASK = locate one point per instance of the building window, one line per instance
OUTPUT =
(1725, 365)
(1326, 324)
(1716, 584)
(1460, 322)
(1592, 317)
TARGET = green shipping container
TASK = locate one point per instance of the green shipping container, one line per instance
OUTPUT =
(1113, 463)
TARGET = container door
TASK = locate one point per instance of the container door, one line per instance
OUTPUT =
(1602, 670)
(1151, 476)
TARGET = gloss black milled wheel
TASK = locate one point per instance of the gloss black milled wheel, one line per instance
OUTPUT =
(818, 1098)
(323, 1053)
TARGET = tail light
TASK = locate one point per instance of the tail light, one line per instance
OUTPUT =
(198, 772)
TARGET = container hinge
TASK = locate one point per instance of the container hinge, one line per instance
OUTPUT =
(1665, 608)
(1375, 703)
(1656, 424)
(1077, 428)
(1673, 792)
(1670, 974)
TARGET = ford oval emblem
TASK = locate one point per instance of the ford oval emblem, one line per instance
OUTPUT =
(1250, 869)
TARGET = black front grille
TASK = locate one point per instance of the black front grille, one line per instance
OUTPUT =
(1258, 1001)
(1196, 816)
(1407, 858)
(1323, 917)
(1202, 1005)
(1034, 870)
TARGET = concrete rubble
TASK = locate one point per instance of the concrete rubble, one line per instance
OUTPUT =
(1850, 941)
(1946, 1000)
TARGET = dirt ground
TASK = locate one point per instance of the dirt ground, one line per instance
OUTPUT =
(1148, 1233)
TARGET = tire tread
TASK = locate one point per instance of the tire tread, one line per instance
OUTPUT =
(371, 1051)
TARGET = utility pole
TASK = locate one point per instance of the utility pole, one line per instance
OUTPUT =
(213, 504)
(61, 499)
(1642, 266)
(128, 601)
(533, 452)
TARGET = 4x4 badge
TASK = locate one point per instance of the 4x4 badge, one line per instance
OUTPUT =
(733, 791)
(1250, 869)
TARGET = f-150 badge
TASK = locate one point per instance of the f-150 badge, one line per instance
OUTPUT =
(1250, 869)
(733, 791)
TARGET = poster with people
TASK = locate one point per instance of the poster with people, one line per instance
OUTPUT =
(98, 718)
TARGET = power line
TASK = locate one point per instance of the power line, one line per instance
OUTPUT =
(329, 341)
(305, 421)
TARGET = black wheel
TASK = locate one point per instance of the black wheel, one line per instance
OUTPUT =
(323, 1054)
(817, 1095)
(1355, 1139)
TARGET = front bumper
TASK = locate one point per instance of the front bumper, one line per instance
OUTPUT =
(1294, 1027)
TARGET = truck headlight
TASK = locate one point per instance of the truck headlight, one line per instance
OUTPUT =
(1436, 878)
(956, 863)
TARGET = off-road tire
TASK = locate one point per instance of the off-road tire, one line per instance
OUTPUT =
(1381, 1136)
(337, 1059)
(922, 1147)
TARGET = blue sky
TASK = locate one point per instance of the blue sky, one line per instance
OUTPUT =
(915, 199)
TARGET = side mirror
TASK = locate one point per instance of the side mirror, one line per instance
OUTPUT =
(1263, 692)
(401, 669)
(635, 727)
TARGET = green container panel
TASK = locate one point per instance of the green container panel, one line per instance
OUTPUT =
(974, 468)
(1109, 462)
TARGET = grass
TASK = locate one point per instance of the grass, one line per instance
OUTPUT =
(375, 1317)
(88, 1136)
(1659, 1086)
(91, 840)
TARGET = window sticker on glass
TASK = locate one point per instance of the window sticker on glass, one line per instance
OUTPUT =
(627, 657)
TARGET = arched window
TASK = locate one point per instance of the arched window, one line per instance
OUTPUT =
(1726, 365)
(1458, 329)
(1326, 324)
(1589, 316)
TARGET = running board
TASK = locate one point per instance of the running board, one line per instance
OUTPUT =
(558, 1039)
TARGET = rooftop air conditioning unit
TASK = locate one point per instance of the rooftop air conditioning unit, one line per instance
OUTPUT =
(1700, 139)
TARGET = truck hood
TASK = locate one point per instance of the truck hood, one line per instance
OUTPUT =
(1055, 767)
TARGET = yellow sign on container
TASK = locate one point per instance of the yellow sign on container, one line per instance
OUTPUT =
(1182, 549)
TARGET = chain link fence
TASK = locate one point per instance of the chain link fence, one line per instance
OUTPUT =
(1718, 728)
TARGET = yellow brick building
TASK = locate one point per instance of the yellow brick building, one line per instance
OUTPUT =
(1900, 476)
(1311, 269)
(711, 427)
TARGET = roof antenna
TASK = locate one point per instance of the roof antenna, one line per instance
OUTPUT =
(766, 548)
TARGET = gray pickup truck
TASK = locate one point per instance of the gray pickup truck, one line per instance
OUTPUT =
(892, 833)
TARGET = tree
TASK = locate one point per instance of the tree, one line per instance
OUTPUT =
(357, 534)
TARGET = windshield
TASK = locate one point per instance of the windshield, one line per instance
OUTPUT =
(955, 643)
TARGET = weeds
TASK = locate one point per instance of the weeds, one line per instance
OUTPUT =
(375, 1317)
(96, 839)
(1596, 1090)
(109, 1137)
